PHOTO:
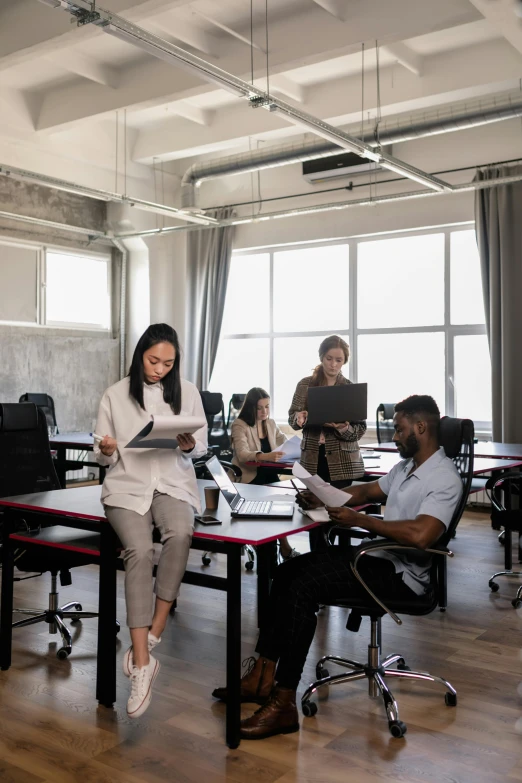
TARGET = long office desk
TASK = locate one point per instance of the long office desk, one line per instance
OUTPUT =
(81, 508)
(481, 449)
(81, 441)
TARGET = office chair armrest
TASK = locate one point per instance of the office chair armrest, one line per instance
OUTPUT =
(385, 545)
(495, 481)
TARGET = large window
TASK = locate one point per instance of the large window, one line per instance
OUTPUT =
(54, 287)
(410, 305)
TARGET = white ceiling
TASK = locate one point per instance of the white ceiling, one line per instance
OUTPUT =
(58, 80)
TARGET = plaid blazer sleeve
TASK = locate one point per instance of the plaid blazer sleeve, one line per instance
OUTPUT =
(299, 402)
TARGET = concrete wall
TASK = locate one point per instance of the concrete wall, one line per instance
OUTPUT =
(73, 366)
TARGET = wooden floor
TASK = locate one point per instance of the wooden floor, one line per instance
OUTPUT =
(52, 730)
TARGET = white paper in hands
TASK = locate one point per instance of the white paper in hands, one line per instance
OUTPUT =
(327, 494)
(162, 431)
(291, 449)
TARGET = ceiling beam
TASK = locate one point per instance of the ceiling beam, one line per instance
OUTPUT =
(405, 56)
(228, 30)
(336, 8)
(84, 66)
(191, 112)
(288, 87)
(501, 15)
(178, 30)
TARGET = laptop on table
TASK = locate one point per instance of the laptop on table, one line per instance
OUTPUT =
(241, 507)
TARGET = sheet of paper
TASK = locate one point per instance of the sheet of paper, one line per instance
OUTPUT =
(161, 432)
(327, 494)
(291, 449)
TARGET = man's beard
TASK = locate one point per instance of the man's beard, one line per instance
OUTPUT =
(410, 448)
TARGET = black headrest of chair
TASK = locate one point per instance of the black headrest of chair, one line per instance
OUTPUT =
(237, 400)
(17, 416)
(38, 398)
(212, 402)
(387, 410)
(451, 434)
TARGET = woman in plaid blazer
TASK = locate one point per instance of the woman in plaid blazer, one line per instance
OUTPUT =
(331, 451)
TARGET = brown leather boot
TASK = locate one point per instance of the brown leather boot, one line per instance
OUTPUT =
(256, 683)
(277, 716)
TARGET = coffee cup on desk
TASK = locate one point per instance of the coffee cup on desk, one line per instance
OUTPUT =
(211, 497)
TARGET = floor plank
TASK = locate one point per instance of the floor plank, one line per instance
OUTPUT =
(53, 731)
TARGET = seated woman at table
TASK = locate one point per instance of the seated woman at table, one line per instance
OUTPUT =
(146, 487)
(255, 438)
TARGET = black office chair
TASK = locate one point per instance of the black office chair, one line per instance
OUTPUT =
(384, 422)
(501, 491)
(234, 406)
(46, 404)
(26, 466)
(218, 437)
(457, 431)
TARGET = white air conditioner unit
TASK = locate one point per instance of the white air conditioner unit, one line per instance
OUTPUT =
(347, 164)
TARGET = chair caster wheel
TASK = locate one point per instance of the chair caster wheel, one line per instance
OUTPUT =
(321, 673)
(442, 609)
(516, 602)
(493, 586)
(118, 626)
(249, 565)
(309, 709)
(63, 653)
(397, 728)
(205, 560)
(78, 607)
(75, 621)
(402, 666)
(450, 699)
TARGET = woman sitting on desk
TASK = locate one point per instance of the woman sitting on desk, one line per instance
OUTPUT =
(331, 451)
(255, 438)
(146, 487)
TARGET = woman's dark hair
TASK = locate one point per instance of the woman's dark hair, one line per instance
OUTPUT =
(248, 412)
(333, 341)
(156, 333)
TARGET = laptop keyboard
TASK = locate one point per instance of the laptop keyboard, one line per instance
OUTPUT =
(257, 507)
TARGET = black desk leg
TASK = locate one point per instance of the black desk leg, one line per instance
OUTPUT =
(106, 663)
(6, 607)
(266, 563)
(61, 459)
(233, 644)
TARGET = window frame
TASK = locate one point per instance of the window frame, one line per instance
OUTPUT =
(79, 253)
(352, 334)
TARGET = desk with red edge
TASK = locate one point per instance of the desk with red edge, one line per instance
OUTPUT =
(81, 508)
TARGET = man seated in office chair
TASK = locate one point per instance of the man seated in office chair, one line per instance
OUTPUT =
(421, 493)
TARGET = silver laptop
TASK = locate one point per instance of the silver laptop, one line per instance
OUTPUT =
(241, 507)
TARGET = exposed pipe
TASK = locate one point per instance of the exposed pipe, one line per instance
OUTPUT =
(335, 205)
(87, 12)
(90, 232)
(123, 303)
(319, 148)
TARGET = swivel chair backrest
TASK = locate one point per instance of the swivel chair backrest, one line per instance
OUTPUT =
(456, 437)
(384, 422)
(26, 464)
(45, 402)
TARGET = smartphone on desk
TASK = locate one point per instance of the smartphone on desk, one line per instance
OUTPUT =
(207, 519)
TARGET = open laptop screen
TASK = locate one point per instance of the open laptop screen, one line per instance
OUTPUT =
(219, 474)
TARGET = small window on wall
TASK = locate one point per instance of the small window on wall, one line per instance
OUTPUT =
(77, 290)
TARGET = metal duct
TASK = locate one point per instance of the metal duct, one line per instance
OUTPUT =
(295, 153)
(335, 205)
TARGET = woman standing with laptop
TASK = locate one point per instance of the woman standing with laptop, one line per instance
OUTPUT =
(331, 451)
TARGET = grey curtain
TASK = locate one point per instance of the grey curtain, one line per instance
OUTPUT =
(208, 263)
(498, 216)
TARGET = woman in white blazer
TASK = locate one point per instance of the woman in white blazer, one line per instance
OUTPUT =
(255, 438)
(146, 487)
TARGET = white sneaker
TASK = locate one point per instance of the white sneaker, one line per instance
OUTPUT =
(128, 662)
(142, 681)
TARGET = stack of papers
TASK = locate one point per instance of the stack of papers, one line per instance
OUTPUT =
(327, 494)
(291, 449)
